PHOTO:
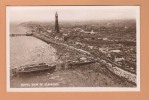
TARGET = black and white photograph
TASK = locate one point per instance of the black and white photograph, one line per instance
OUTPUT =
(73, 48)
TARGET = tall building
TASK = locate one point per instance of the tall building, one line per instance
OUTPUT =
(56, 23)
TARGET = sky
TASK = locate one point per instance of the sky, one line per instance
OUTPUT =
(70, 13)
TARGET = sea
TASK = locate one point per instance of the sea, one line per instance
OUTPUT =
(26, 50)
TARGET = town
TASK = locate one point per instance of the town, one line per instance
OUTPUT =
(109, 42)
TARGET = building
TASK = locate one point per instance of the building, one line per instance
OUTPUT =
(58, 35)
(56, 23)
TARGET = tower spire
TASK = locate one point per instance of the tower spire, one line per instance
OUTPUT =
(56, 23)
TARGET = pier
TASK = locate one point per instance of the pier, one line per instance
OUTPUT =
(27, 34)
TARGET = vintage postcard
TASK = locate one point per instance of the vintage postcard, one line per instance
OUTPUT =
(73, 48)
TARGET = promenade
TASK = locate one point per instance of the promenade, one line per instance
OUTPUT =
(114, 68)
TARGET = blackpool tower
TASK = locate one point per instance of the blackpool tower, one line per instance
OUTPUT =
(56, 23)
